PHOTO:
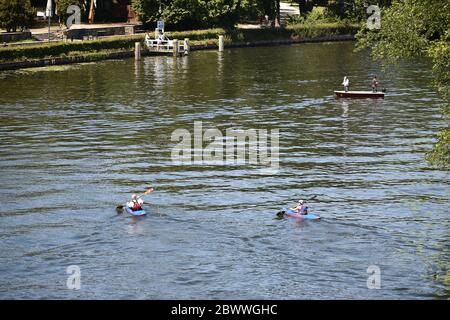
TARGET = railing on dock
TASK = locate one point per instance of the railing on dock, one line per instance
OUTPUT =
(167, 46)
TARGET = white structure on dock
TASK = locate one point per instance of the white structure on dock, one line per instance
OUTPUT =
(161, 43)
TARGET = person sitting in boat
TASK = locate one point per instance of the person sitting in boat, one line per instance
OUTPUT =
(301, 207)
(375, 84)
(346, 83)
(136, 203)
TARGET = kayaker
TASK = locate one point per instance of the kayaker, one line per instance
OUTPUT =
(301, 207)
(375, 84)
(136, 203)
(346, 83)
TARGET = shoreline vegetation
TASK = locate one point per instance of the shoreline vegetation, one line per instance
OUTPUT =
(57, 53)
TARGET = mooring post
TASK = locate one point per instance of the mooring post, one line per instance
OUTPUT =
(175, 47)
(137, 51)
(187, 47)
(220, 43)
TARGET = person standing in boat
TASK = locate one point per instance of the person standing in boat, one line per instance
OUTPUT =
(301, 207)
(346, 83)
(136, 203)
(375, 84)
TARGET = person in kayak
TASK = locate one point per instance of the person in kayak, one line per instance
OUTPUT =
(301, 207)
(136, 203)
(346, 83)
(375, 84)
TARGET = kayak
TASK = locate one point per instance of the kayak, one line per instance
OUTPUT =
(135, 213)
(292, 214)
(359, 94)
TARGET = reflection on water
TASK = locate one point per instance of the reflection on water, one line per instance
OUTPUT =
(75, 142)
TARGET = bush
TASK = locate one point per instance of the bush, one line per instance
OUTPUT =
(16, 14)
(318, 15)
(322, 30)
(65, 48)
(196, 34)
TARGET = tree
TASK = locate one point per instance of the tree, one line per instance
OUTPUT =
(16, 14)
(253, 9)
(414, 29)
(267, 8)
(190, 14)
(305, 6)
(147, 10)
(353, 10)
(221, 13)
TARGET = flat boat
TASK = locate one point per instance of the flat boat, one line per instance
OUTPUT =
(359, 94)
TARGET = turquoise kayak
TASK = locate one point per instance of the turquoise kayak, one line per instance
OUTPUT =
(135, 213)
(292, 214)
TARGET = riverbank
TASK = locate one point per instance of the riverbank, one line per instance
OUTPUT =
(57, 53)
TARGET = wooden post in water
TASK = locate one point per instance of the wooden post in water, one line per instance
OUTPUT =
(220, 43)
(137, 51)
(187, 47)
(175, 47)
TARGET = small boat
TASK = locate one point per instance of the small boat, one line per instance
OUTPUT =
(292, 214)
(359, 94)
(135, 213)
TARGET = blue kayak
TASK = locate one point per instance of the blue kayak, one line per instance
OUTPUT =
(135, 213)
(292, 214)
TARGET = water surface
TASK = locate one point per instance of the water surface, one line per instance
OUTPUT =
(77, 140)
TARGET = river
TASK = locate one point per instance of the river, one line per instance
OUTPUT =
(77, 140)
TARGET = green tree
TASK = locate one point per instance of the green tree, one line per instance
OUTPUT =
(221, 13)
(184, 14)
(305, 6)
(268, 7)
(192, 14)
(147, 10)
(355, 10)
(413, 29)
(16, 14)
(253, 9)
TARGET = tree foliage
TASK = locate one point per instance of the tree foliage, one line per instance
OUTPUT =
(194, 14)
(411, 29)
(16, 14)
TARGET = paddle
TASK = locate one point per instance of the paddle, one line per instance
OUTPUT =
(149, 189)
(280, 213)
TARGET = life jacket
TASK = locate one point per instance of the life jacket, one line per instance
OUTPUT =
(303, 209)
(136, 206)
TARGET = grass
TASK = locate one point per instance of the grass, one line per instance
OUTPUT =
(102, 47)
